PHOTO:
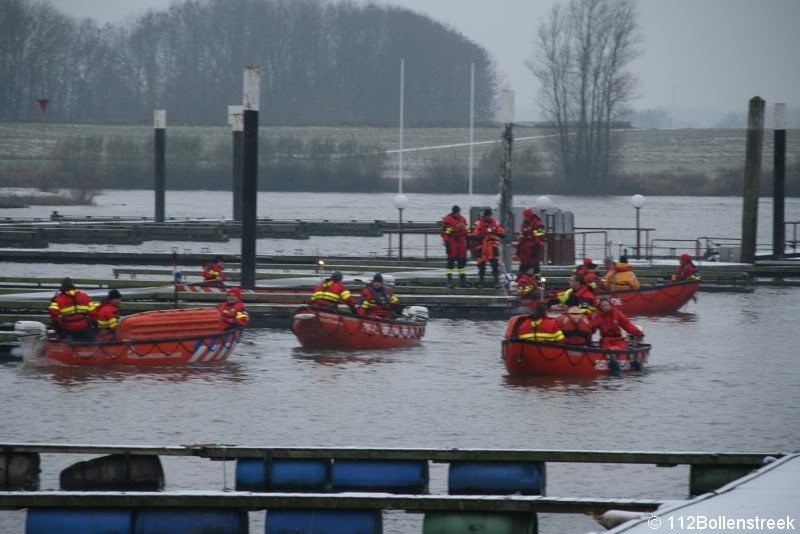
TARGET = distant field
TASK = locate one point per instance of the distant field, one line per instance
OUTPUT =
(644, 151)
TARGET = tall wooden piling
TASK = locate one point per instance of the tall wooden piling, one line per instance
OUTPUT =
(160, 125)
(752, 176)
(237, 125)
(779, 183)
(506, 192)
(250, 104)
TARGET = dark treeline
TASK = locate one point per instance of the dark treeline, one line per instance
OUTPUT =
(322, 63)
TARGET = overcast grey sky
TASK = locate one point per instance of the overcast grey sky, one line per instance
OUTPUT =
(698, 54)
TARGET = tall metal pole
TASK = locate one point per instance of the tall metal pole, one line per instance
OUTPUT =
(752, 176)
(506, 194)
(400, 234)
(236, 121)
(471, 120)
(160, 143)
(779, 183)
(402, 113)
(637, 233)
(250, 103)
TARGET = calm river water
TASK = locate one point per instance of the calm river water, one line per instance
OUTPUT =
(723, 377)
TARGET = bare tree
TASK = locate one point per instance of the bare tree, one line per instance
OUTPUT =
(581, 54)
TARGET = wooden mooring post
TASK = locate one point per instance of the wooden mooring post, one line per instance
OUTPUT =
(752, 177)
(250, 102)
(160, 144)
(779, 184)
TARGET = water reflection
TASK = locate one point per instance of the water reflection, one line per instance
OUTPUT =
(71, 376)
(572, 384)
(336, 357)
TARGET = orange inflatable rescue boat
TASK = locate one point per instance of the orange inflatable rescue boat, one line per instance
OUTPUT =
(163, 337)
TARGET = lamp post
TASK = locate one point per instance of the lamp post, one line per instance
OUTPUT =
(400, 202)
(637, 201)
(543, 203)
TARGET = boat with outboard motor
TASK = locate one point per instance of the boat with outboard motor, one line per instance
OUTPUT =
(526, 357)
(162, 337)
(327, 328)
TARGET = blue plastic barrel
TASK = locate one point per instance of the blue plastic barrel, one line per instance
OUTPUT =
(391, 476)
(190, 521)
(324, 522)
(282, 474)
(78, 521)
(496, 478)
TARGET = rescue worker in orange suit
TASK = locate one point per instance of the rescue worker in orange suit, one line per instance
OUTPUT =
(686, 270)
(377, 300)
(214, 272)
(331, 291)
(576, 326)
(488, 233)
(531, 240)
(233, 311)
(108, 316)
(586, 274)
(541, 327)
(621, 276)
(72, 312)
(610, 321)
(526, 284)
(454, 235)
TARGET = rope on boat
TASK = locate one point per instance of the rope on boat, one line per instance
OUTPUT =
(413, 331)
(187, 344)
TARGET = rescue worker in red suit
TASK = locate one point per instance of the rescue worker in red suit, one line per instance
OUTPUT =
(530, 250)
(214, 272)
(586, 274)
(72, 312)
(610, 321)
(378, 300)
(540, 327)
(233, 311)
(488, 233)
(454, 235)
(331, 291)
(576, 326)
(686, 270)
(526, 284)
(108, 316)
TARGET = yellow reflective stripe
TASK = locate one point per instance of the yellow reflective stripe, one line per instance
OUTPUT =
(538, 233)
(345, 294)
(393, 300)
(111, 323)
(241, 314)
(449, 230)
(54, 306)
(68, 310)
(558, 336)
(449, 270)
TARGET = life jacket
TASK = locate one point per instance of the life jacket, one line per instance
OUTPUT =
(612, 324)
(686, 271)
(107, 321)
(330, 293)
(579, 333)
(72, 310)
(526, 285)
(377, 299)
(621, 277)
(489, 234)
(544, 329)
(532, 230)
(213, 272)
(233, 314)
(454, 227)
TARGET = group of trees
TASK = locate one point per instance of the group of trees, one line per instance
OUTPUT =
(322, 63)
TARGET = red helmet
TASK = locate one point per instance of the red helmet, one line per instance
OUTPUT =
(587, 261)
(528, 213)
(235, 291)
(685, 258)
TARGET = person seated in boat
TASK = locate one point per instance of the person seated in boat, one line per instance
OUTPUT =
(527, 284)
(108, 317)
(686, 270)
(610, 322)
(377, 300)
(233, 311)
(72, 312)
(540, 327)
(214, 272)
(576, 326)
(621, 276)
(331, 291)
(586, 274)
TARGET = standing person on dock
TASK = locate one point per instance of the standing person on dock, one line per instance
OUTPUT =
(454, 235)
(233, 311)
(108, 316)
(331, 291)
(541, 327)
(686, 270)
(488, 232)
(377, 300)
(531, 241)
(72, 312)
(610, 321)
(214, 272)
(621, 276)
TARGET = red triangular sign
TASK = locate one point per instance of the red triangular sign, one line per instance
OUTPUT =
(43, 103)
